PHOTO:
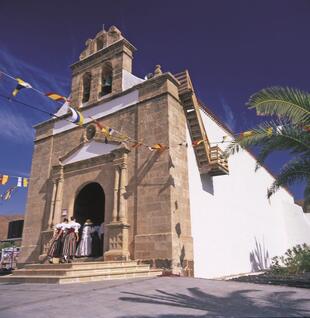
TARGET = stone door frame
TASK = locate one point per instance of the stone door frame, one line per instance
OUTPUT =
(116, 234)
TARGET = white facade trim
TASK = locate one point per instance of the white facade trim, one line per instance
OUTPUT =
(90, 150)
(100, 111)
(129, 80)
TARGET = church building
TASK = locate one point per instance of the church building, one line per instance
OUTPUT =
(166, 198)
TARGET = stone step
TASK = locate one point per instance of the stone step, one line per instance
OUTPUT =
(79, 272)
(81, 265)
(45, 279)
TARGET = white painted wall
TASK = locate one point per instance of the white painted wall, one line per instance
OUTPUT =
(234, 227)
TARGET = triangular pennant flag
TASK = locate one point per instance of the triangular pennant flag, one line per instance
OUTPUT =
(21, 84)
(56, 97)
(76, 117)
(4, 179)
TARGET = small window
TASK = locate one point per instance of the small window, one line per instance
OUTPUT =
(86, 87)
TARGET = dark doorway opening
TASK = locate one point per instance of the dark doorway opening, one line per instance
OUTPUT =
(89, 204)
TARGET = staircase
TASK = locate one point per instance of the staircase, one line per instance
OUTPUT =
(79, 272)
(210, 160)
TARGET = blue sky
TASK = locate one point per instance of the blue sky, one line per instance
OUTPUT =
(231, 49)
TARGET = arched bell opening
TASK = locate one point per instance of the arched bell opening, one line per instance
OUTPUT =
(106, 80)
(90, 204)
(87, 78)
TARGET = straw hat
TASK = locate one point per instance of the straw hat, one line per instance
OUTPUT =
(88, 221)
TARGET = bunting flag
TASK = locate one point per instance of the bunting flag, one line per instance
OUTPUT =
(158, 147)
(76, 117)
(22, 182)
(21, 84)
(25, 182)
(7, 194)
(4, 179)
(56, 97)
(247, 133)
(105, 131)
(197, 142)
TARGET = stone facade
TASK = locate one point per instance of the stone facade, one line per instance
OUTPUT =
(147, 214)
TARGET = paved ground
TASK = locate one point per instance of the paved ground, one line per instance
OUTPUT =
(164, 297)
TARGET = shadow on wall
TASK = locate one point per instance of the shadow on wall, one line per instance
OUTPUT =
(207, 183)
(236, 304)
(259, 257)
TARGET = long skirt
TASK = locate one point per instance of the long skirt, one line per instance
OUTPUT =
(84, 248)
(69, 246)
(95, 246)
(55, 248)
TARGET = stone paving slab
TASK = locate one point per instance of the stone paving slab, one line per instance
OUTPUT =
(161, 297)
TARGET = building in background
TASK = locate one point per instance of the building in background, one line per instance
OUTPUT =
(148, 162)
(11, 227)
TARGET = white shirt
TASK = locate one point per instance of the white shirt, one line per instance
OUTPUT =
(76, 226)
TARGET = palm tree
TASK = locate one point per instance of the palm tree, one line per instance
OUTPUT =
(289, 129)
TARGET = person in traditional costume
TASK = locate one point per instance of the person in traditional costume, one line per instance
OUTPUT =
(85, 246)
(71, 236)
(95, 244)
(56, 247)
(55, 244)
(101, 235)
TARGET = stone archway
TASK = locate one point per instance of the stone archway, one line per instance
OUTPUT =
(90, 204)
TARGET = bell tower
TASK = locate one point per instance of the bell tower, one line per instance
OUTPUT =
(101, 66)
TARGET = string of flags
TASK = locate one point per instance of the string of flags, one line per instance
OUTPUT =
(21, 182)
(20, 85)
(8, 193)
(56, 97)
(76, 117)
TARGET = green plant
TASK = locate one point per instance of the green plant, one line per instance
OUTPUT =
(295, 261)
(5, 244)
(288, 130)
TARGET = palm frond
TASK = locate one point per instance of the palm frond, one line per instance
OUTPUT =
(295, 170)
(270, 136)
(288, 103)
(307, 196)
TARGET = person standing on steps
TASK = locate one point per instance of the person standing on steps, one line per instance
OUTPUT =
(70, 240)
(55, 244)
(85, 246)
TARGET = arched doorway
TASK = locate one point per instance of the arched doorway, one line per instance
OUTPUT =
(89, 204)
